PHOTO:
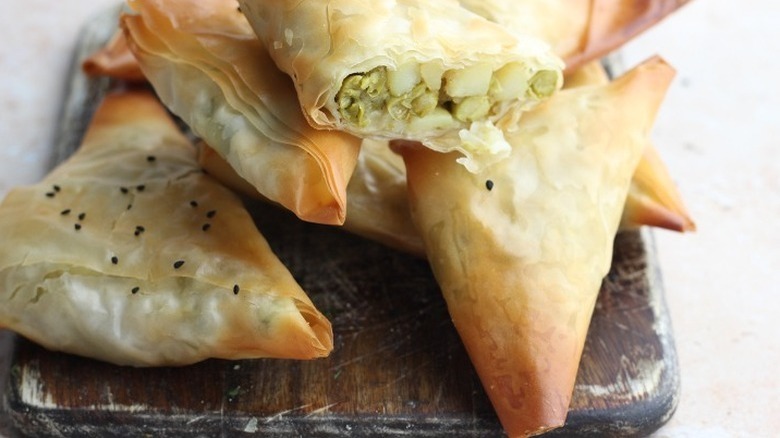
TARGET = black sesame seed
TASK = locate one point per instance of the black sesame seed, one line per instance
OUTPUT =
(129, 206)
(178, 264)
(140, 187)
(205, 227)
(489, 184)
(151, 158)
(115, 260)
(49, 194)
(77, 226)
(193, 203)
(124, 190)
(135, 290)
(211, 214)
(65, 212)
(56, 188)
(236, 289)
(82, 216)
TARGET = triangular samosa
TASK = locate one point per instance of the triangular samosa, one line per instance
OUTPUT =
(520, 249)
(129, 253)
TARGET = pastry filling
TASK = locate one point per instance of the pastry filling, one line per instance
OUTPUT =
(419, 98)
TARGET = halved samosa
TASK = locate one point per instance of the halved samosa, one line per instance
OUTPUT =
(129, 253)
(209, 68)
(577, 30)
(520, 249)
(411, 69)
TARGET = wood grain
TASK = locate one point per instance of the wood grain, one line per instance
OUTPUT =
(398, 367)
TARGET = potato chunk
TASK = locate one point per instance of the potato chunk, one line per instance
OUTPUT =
(470, 81)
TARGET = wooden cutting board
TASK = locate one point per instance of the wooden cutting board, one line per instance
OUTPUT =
(398, 367)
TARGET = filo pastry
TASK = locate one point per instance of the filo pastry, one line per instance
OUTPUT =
(411, 69)
(208, 67)
(520, 249)
(129, 253)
